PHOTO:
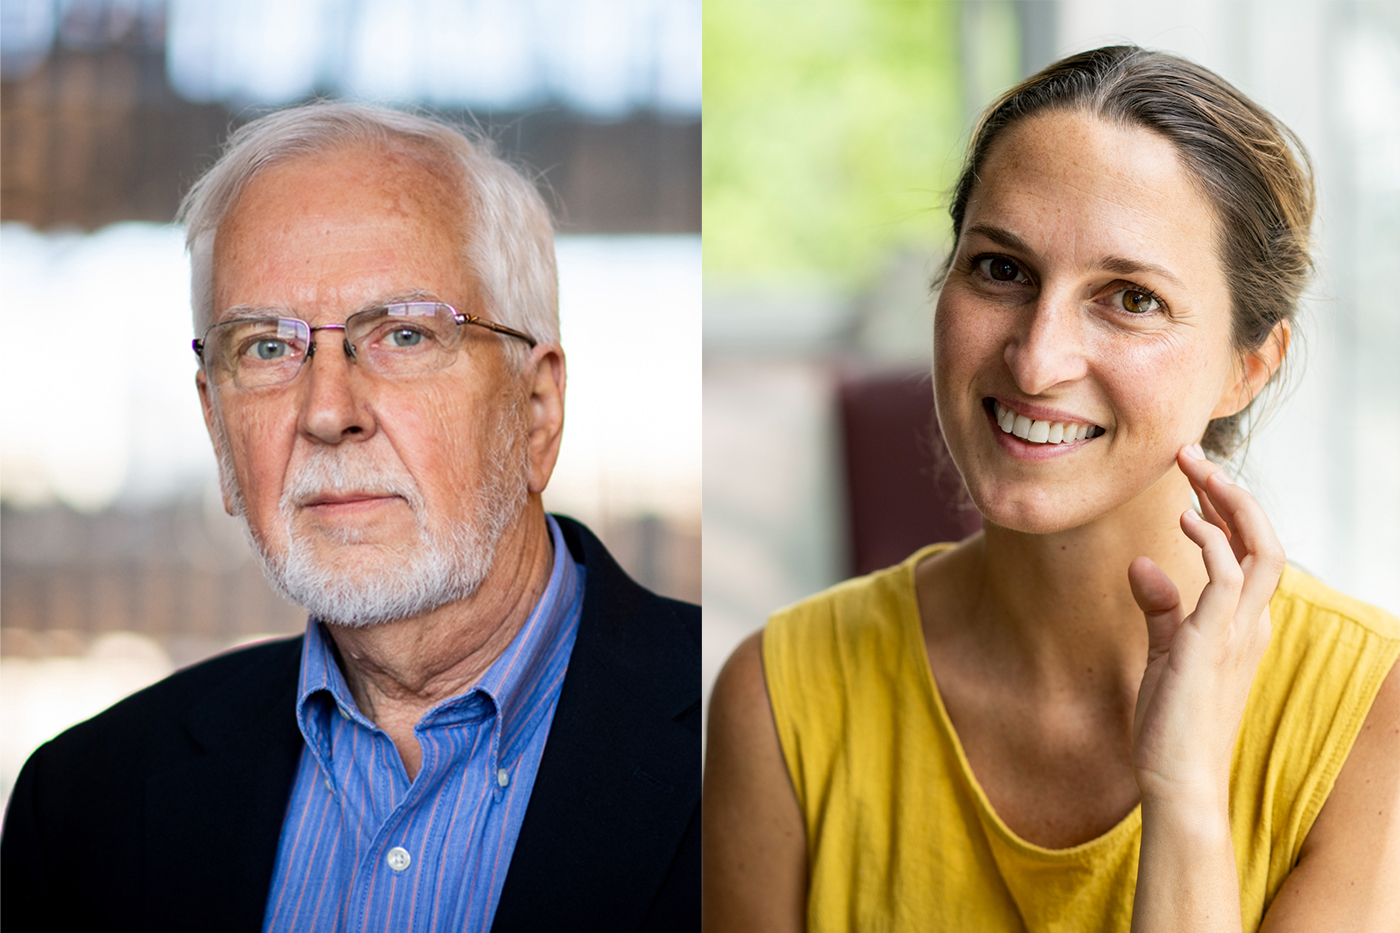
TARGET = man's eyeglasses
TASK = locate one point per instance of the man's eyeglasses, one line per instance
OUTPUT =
(395, 340)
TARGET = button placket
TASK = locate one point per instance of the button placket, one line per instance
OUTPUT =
(499, 775)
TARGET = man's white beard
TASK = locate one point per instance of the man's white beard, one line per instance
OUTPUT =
(443, 565)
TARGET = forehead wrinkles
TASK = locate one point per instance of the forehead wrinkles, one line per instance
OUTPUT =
(415, 185)
(322, 193)
(396, 178)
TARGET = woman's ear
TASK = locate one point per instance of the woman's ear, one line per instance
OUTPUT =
(1253, 371)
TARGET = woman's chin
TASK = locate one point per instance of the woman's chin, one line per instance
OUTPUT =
(1033, 514)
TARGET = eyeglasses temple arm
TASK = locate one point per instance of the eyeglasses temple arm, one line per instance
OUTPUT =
(498, 328)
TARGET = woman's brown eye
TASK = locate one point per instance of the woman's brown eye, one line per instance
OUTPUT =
(1001, 269)
(1136, 302)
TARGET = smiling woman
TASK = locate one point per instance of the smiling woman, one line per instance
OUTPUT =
(1114, 706)
(1082, 292)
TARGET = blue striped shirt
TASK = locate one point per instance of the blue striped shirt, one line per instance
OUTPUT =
(362, 847)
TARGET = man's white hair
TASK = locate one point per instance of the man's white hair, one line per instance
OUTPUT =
(507, 233)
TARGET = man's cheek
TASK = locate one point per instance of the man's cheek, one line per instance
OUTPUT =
(261, 450)
(439, 433)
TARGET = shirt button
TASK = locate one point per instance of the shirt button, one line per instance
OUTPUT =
(343, 715)
(398, 858)
(502, 777)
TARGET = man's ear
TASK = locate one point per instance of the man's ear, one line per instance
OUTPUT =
(206, 404)
(1253, 371)
(547, 380)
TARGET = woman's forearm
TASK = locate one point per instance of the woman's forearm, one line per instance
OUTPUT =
(1187, 879)
(1193, 695)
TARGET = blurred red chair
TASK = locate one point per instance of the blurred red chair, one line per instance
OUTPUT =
(902, 490)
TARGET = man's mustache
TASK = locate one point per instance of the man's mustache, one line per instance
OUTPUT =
(329, 472)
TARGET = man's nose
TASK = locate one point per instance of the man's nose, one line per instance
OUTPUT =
(334, 406)
(1047, 348)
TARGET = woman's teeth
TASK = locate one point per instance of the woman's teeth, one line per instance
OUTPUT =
(1042, 432)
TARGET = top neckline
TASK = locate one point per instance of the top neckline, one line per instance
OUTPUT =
(911, 632)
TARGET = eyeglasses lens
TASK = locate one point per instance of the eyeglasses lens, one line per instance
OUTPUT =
(395, 340)
(256, 352)
(404, 338)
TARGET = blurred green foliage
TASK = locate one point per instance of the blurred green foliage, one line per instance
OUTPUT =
(831, 135)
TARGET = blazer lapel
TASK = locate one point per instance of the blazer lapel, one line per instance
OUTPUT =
(620, 778)
(214, 819)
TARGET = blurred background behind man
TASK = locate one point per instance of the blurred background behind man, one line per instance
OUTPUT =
(118, 562)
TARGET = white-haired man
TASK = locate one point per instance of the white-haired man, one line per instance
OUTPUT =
(382, 380)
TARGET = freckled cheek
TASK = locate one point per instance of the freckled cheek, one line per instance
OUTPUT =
(1155, 390)
(966, 343)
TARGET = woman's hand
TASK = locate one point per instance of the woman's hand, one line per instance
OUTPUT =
(1200, 666)
(1199, 670)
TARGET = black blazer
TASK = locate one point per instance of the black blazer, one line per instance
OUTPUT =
(164, 812)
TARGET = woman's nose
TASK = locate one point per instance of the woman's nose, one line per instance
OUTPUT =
(1048, 348)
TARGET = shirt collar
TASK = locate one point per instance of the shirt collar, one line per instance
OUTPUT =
(514, 683)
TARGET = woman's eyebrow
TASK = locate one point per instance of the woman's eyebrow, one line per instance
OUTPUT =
(999, 236)
(1118, 265)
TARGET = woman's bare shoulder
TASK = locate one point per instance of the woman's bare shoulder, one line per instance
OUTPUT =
(755, 861)
(1346, 871)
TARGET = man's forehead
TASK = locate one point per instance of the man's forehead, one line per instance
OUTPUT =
(353, 227)
(343, 181)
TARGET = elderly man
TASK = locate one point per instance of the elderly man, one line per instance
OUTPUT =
(487, 725)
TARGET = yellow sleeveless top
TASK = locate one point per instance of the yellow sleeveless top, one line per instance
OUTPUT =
(900, 836)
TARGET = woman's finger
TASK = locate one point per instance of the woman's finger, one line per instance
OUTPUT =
(1239, 515)
(1257, 547)
(1215, 610)
(1160, 603)
(1221, 519)
(1209, 512)
(1198, 470)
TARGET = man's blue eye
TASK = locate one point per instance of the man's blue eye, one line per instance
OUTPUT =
(270, 349)
(405, 337)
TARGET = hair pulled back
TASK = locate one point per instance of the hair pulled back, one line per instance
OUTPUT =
(1250, 167)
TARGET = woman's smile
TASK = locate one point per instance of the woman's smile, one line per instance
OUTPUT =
(1025, 437)
(1036, 428)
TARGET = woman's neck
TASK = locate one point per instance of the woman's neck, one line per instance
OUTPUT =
(1055, 610)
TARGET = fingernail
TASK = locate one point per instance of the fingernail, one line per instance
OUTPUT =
(1225, 478)
(1194, 515)
(1196, 451)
